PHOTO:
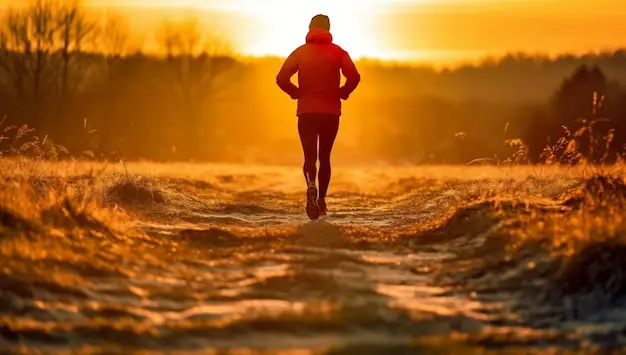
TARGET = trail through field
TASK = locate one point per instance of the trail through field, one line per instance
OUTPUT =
(223, 258)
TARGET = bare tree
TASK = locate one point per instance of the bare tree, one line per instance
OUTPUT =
(42, 32)
(15, 46)
(113, 41)
(27, 39)
(114, 35)
(74, 28)
(197, 62)
(38, 44)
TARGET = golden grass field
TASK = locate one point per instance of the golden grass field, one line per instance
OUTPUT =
(201, 258)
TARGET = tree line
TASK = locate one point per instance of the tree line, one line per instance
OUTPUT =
(78, 82)
(69, 75)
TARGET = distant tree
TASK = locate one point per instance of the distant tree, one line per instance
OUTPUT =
(197, 63)
(27, 40)
(581, 117)
(574, 98)
(74, 28)
(15, 49)
(113, 40)
(39, 48)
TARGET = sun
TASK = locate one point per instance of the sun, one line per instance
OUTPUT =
(283, 25)
(277, 27)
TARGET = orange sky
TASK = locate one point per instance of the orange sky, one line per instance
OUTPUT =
(441, 31)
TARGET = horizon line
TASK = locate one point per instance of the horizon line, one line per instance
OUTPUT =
(477, 62)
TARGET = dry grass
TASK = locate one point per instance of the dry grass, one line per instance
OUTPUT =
(117, 194)
(67, 223)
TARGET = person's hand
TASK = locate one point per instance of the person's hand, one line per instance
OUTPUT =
(295, 95)
(343, 94)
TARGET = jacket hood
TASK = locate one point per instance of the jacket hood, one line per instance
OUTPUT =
(318, 35)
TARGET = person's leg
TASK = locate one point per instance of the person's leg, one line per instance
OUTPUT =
(308, 137)
(308, 127)
(328, 133)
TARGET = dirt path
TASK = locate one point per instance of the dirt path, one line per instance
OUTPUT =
(409, 260)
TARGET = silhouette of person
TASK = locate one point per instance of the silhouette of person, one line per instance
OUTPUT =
(319, 64)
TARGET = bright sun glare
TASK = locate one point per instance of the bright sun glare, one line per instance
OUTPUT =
(277, 27)
(284, 24)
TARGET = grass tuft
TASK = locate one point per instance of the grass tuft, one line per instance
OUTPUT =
(131, 191)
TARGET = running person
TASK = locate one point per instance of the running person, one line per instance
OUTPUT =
(319, 64)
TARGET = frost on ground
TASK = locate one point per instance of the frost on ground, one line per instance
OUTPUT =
(191, 258)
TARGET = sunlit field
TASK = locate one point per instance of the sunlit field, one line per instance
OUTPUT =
(190, 258)
(152, 198)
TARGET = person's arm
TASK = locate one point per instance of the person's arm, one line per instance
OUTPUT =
(353, 78)
(283, 79)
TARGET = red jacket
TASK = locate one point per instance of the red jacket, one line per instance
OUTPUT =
(318, 64)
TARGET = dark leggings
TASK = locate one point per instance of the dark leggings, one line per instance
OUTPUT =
(314, 127)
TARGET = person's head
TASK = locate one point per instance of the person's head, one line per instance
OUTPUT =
(320, 21)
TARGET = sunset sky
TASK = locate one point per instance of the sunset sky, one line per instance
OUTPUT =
(436, 31)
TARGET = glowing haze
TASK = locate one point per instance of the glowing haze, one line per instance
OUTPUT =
(436, 31)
